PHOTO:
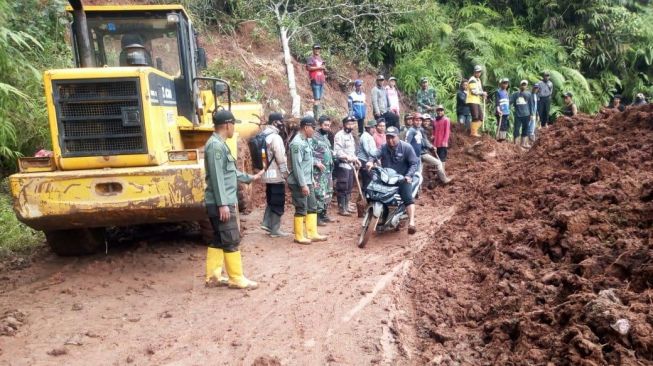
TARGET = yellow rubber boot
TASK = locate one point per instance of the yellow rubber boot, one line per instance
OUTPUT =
(234, 264)
(311, 228)
(299, 231)
(476, 125)
(214, 260)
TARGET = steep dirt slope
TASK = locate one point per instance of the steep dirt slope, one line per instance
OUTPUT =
(548, 258)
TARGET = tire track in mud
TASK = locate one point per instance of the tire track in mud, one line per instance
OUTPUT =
(327, 303)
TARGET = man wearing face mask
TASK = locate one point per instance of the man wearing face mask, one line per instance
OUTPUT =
(323, 172)
(301, 183)
(274, 177)
(345, 150)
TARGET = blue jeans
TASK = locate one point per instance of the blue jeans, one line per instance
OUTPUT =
(521, 124)
(465, 119)
(531, 126)
(317, 90)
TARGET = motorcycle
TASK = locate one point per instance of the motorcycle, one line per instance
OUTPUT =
(385, 210)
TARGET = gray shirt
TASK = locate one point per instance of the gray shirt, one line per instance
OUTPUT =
(546, 88)
(379, 100)
(367, 148)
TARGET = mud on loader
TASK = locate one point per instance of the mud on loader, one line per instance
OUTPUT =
(128, 125)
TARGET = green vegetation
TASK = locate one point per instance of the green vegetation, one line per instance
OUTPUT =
(593, 48)
(32, 39)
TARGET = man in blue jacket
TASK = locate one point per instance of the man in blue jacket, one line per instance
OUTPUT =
(357, 104)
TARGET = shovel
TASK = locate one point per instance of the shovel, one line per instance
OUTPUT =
(361, 202)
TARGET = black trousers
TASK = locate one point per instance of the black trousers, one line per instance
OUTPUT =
(391, 119)
(361, 126)
(226, 235)
(344, 181)
(544, 110)
(275, 197)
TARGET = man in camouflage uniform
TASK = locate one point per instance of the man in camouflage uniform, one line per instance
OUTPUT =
(426, 97)
(323, 174)
(301, 184)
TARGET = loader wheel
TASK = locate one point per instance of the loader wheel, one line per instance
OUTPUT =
(75, 242)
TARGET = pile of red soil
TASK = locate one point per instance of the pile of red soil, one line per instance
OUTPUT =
(548, 259)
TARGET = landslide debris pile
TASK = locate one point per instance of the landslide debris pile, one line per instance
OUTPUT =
(548, 259)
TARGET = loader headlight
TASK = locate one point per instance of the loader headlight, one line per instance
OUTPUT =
(182, 156)
(40, 164)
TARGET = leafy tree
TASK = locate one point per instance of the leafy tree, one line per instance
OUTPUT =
(31, 40)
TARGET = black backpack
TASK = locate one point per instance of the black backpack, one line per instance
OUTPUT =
(258, 151)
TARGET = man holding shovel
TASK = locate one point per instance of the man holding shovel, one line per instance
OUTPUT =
(345, 151)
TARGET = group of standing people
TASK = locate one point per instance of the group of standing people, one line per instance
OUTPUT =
(322, 164)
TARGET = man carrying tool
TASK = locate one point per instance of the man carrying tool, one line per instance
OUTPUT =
(220, 197)
(476, 100)
(323, 174)
(344, 148)
(400, 156)
(275, 176)
(301, 184)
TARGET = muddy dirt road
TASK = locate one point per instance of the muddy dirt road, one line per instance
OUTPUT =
(328, 303)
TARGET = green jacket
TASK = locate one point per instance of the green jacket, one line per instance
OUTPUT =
(425, 98)
(322, 151)
(301, 155)
(222, 176)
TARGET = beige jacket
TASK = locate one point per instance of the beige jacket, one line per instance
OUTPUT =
(278, 170)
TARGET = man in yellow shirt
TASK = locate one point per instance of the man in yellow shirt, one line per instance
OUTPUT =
(475, 98)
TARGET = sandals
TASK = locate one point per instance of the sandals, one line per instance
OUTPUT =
(412, 229)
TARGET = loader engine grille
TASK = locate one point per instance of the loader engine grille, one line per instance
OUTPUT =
(99, 117)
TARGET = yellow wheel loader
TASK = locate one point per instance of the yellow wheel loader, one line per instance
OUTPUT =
(128, 125)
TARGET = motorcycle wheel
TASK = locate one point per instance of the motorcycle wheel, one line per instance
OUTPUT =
(369, 228)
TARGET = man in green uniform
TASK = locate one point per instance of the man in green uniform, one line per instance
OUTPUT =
(323, 175)
(426, 97)
(301, 184)
(222, 179)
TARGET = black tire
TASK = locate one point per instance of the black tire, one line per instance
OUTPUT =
(369, 228)
(74, 242)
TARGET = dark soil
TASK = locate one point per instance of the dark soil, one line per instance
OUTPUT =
(549, 253)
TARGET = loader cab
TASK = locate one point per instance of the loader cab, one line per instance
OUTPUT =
(161, 37)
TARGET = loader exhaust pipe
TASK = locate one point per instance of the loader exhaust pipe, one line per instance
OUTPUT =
(81, 29)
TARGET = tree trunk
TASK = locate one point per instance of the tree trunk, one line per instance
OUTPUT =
(290, 69)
